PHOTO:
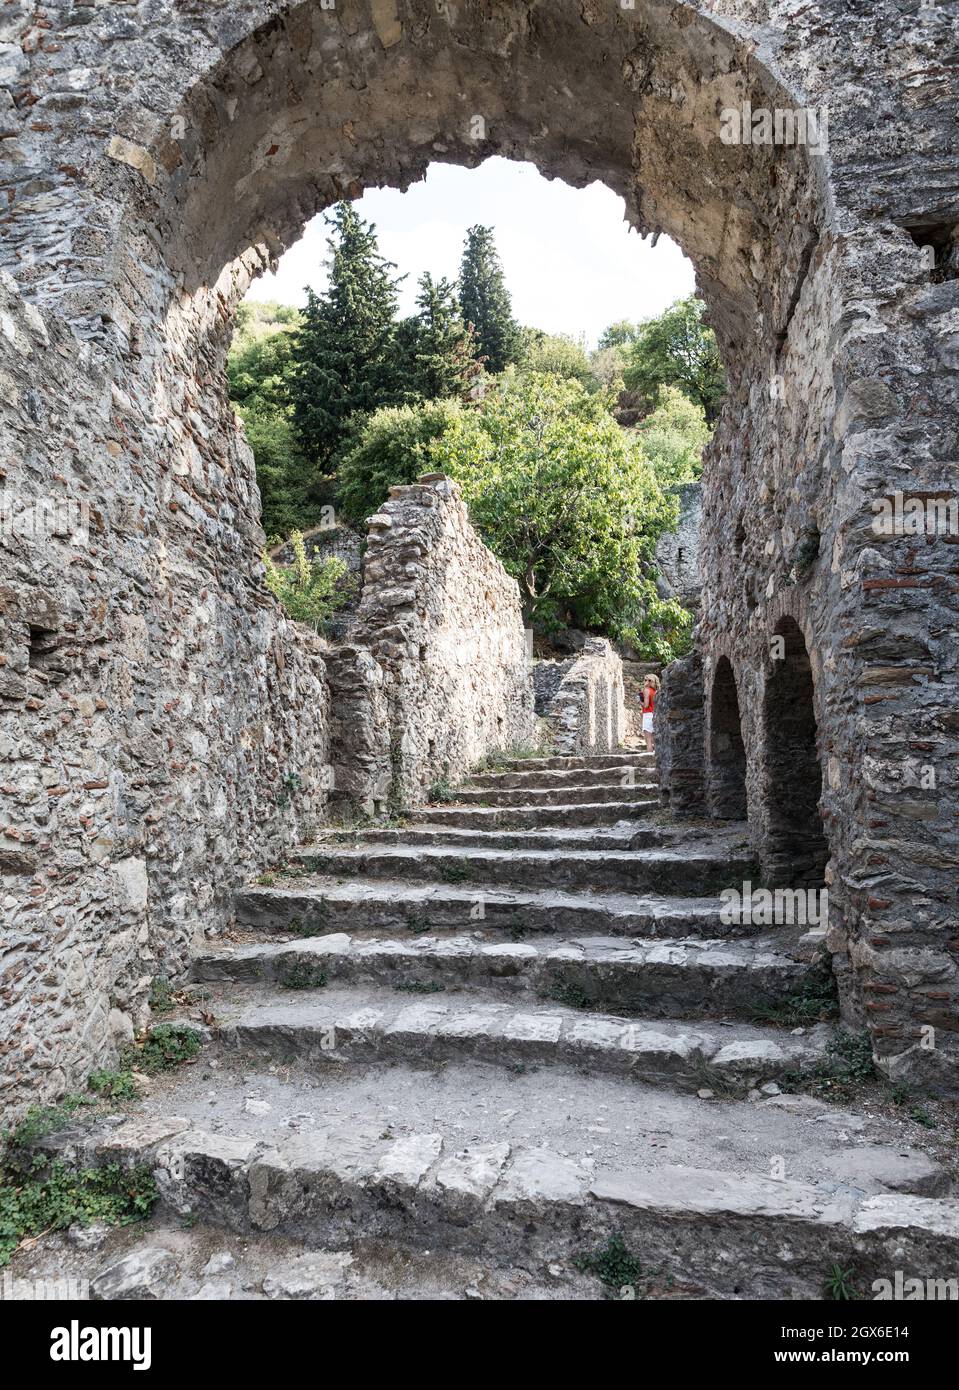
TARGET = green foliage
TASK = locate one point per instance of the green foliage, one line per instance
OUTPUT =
(391, 448)
(43, 1196)
(815, 1001)
(485, 302)
(677, 349)
(564, 500)
(441, 791)
(619, 335)
(607, 366)
(613, 1264)
(303, 975)
(441, 353)
(113, 1085)
(847, 1067)
(419, 987)
(840, 1285)
(161, 995)
(259, 367)
(672, 438)
(559, 355)
(344, 354)
(165, 1046)
(310, 590)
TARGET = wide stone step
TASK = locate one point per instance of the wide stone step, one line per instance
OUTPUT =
(537, 817)
(637, 789)
(629, 835)
(660, 870)
(315, 908)
(625, 758)
(628, 775)
(682, 979)
(541, 1169)
(337, 1025)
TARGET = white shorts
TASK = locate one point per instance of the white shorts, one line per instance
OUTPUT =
(647, 723)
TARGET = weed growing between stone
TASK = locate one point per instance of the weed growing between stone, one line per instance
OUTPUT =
(303, 975)
(165, 1046)
(613, 1264)
(839, 1285)
(419, 987)
(441, 791)
(39, 1193)
(847, 1066)
(816, 1001)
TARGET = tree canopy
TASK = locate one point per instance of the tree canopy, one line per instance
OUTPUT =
(343, 357)
(485, 301)
(677, 349)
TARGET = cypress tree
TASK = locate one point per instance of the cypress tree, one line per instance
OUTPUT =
(485, 301)
(344, 359)
(442, 352)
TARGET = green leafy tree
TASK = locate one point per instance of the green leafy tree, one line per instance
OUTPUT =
(672, 438)
(618, 335)
(607, 365)
(563, 498)
(440, 349)
(310, 590)
(559, 355)
(391, 447)
(485, 302)
(677, 349)
(258, 369)
(344, 358)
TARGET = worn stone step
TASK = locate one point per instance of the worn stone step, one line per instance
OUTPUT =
(313, 907)
(681, 979)
(627, 776)
(542, 1169)
(637, 789)
(351, 1024)
(668, 870)
(629, 835)
(623, 758)
(537, 817)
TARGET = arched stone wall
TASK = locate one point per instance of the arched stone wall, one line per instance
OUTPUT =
(727, 752)
(158, 155)
(793, 841)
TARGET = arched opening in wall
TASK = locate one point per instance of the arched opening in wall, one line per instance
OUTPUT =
(727, 753)
(795, 850)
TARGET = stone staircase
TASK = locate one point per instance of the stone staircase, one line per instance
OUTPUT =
(515, 1026)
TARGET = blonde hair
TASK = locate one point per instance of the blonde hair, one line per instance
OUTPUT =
(652, 680)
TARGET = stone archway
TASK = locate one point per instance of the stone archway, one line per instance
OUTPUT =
(156, 168)
(727, 753)
(795, 850)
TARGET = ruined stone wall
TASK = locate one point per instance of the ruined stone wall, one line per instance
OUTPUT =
(586, 711)
(163, 728)
(677, 552)
(443, 620)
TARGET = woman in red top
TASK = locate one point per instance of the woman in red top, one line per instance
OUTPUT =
(650, 687)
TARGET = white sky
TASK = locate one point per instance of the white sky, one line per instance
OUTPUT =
(572, 263)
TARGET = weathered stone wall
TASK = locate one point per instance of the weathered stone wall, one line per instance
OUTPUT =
(157, 155)
(163, 728)
(679, 738)
(443, 620)
(584, 711)
(677, 552)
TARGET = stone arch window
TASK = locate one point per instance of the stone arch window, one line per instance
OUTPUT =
(795, 849)
(727, 753)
